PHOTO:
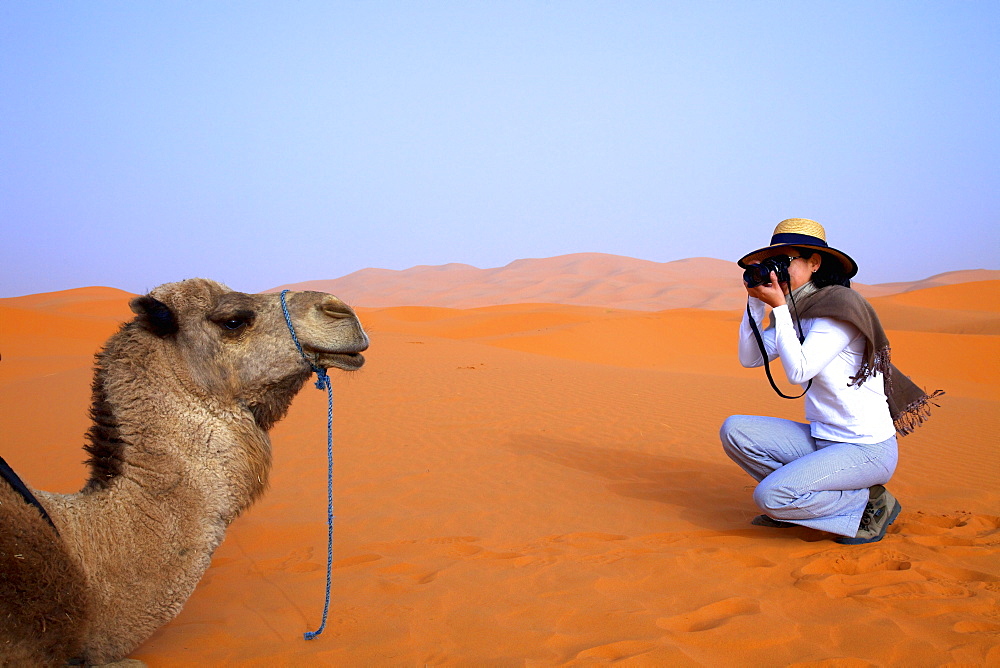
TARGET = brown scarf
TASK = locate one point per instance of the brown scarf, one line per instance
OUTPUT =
(909, 405)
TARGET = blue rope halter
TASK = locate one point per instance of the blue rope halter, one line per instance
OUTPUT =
(322, 382)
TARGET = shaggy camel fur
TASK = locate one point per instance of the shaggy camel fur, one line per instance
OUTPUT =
(183, 397)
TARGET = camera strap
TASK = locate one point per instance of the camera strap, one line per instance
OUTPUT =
(763, 354)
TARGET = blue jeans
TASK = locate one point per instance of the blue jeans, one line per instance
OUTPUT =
(803, 480)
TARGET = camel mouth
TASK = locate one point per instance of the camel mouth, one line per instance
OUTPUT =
(345, 361)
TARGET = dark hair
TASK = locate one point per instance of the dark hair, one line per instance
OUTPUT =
(830, 272)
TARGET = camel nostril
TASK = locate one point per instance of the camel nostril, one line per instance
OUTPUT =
(335, 308)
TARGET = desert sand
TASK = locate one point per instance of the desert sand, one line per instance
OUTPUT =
(542, 485)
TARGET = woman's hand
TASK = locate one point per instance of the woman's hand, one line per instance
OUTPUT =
(772, 294)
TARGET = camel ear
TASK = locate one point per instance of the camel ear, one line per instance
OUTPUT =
(154, 315)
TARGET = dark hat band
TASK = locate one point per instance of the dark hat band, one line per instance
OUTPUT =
(791, 238)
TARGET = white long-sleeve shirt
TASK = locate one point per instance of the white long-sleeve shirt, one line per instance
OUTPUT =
(831, 353)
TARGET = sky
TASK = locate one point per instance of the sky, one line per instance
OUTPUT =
(266, 143)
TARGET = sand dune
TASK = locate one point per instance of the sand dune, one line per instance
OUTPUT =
(542, 485)
(947, 278)
(969, 308)
(588, 279)
(584, 279)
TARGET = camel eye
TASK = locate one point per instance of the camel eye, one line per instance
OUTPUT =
(235, 322)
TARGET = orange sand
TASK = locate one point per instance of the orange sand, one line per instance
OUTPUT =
(543, 485)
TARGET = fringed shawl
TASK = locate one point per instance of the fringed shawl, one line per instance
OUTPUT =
(909, 405)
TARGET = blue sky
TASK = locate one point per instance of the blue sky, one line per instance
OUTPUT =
(262, 143)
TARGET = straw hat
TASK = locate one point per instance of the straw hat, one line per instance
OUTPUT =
(804, 233)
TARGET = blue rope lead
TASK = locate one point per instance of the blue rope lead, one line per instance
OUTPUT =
(322, 382)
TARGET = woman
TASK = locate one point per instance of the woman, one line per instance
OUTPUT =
(830, 472)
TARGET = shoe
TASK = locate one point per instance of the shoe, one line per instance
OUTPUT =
(880, 512)
(765, 521)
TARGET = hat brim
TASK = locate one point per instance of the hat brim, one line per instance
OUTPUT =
(850, 266)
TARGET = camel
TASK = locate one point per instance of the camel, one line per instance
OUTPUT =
(183, 398)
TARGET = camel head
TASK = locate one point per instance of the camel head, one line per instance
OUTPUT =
(233, 347)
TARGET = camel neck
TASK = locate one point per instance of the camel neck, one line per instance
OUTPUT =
(153, 428)
(165, 485)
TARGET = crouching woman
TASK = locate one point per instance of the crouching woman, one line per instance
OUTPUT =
(828, 473)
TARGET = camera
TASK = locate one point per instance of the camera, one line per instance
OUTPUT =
(758, 274)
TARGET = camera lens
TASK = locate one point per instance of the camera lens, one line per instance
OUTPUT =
(756, 274)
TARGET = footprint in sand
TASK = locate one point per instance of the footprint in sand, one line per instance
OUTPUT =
(567, 546)
(855, 572)
(871, 560)
(538, 560)
(403, 576)
(710, 616)
(966, 626)
(458, 546)
(959, 529)
(586, 537)
(881, 572)
(356, 560)
(609, 557)
(296, 561)
(463, 550)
